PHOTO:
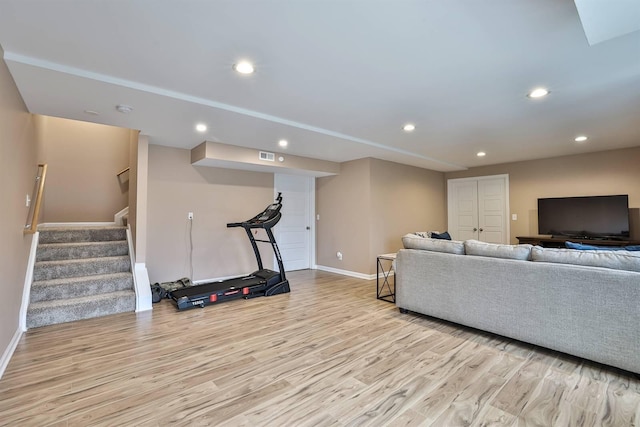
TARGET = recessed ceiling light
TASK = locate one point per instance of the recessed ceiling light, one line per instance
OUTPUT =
(92, 112)
(201, 127)
(580, 138)
(481, 154)
(124, 109)
(244, 67)
(538, 92)
(283, 143)
(409, 127)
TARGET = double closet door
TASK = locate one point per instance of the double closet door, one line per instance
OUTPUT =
(478, 208)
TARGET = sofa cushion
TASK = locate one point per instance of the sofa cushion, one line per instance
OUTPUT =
(411, 241)
(617, 260)
(475, 247)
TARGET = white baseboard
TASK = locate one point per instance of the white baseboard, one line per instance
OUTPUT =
(314, 267)
(346, 272)
(381, 275)
(8, 352)
(217, 279)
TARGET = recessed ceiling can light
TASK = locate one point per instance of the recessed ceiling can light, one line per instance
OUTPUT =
(201, 127)
(124, 109)
(92, 112)
(283, 143)
(538, 92)
(409, 127)
(580, 138)
(244, 67)
(481, 154)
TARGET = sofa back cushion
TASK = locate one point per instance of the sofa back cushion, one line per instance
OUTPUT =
(411, 241)
(475, 247)
(617, 260)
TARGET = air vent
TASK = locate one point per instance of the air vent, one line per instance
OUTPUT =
(270, 157)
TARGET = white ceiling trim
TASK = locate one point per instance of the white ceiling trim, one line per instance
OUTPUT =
(52, 66)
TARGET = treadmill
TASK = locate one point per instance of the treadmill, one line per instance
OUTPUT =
(262, 282)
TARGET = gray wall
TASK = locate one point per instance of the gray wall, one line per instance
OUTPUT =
(216, 197)
(367, 209)
(83, 160)
(593, 174)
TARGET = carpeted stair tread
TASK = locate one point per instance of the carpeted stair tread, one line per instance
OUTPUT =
(78, 250)
(81, 234)
(67, 310)
(80, 286)
(48, 270)
(80, 272)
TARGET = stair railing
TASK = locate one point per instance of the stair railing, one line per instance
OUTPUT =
(34, 208)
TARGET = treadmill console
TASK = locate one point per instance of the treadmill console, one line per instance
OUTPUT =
(271, 211)
(265, 219)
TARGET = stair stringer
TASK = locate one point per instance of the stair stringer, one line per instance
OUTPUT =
(141, 282)
(28, 279)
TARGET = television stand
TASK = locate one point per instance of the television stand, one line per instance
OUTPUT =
(559, 241)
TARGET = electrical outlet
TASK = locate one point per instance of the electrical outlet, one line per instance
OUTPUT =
(190, 215)
(339, 256)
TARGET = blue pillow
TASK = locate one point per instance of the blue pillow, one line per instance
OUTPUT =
(633, 248)
(583, 247)
(443, 236)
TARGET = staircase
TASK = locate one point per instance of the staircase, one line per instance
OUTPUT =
(80, 272)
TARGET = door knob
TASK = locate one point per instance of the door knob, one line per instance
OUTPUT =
(308, 228)
(481, 230)
(475, 229)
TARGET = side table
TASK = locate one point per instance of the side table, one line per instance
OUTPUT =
(386, 290)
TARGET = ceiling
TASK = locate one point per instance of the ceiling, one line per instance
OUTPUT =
(339, 78)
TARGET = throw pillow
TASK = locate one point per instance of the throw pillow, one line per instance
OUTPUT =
(442, 236)
(633, 248)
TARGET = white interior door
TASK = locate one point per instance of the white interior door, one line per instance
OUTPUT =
(463, 224)
(479, 208)
(491, 211)
(293, 233)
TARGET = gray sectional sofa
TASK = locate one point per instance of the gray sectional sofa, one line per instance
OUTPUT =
(584, 303)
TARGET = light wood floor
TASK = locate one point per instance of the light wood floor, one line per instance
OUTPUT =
(328, 353)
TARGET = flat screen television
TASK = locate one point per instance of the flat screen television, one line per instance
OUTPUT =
(584, 217)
